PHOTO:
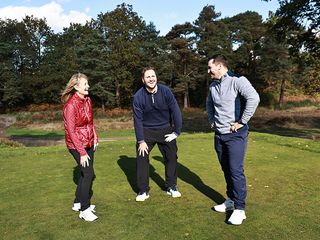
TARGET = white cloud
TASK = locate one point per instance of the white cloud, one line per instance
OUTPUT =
(56, 18)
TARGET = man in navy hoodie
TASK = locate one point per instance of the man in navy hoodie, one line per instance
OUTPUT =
(157, 120)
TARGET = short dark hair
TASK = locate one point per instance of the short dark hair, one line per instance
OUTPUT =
(146, 69)
(219, 58)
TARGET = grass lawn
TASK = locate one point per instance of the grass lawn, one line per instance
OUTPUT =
(37, 188)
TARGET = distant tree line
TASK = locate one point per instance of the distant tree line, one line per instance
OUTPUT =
(277, 55)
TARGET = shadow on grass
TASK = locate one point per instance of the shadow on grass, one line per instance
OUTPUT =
(186, 175)
(128, 166)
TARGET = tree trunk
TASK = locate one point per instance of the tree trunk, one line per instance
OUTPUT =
(102, 106)
(282, 90)
(186, 90)
(186, 99)
(118, 95)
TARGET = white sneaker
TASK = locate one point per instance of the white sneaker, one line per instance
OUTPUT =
(237, 217)
(227, 205)
(142, 196)
(77, 207)
(173, 192)
(87, 215)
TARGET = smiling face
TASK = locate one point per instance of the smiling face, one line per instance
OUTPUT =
(82, 87)
(150, 80)
(214, 69)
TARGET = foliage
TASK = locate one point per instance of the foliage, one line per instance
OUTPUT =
(277, 55)
(5, 143)
(123, 30)
(185, 60)
(311, 77)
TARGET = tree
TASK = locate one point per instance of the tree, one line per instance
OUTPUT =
(247, 30)
(185, 60)
(33, 34)
(122, 30)
(58, 64)
(301, 18)
(310, 79)
(92, 58)
(10, 86)
(293, 13)
(275, 65)
(213, 35)
(23, 47)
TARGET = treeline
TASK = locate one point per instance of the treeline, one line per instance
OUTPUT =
(277, 55)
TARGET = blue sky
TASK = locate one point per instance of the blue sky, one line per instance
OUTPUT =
(163, 13)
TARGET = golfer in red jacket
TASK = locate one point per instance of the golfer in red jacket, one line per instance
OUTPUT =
(81, 140)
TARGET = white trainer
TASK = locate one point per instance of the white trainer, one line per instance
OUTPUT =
(142, 196)
(227, 205)
(77, 207)
(87, 215)
(237, 217)
(173, 192)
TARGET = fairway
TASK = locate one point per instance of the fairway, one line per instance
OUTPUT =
(37, 189)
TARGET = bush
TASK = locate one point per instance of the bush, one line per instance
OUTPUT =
(267, 99)
(8, 143)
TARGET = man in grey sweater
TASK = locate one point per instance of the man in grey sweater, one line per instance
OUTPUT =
(231, 103)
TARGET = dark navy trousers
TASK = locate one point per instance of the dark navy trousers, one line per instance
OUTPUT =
(231, 148)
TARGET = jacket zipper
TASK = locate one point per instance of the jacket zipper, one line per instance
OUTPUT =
(86, 113)
(152, 96)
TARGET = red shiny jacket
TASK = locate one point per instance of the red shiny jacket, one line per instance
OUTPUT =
(80, 132)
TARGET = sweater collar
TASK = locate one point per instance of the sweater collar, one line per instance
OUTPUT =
(155, 90)
(224, 76)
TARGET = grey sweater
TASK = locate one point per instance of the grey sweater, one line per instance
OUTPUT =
(231, 99)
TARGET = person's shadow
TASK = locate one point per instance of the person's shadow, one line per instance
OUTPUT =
(128, 166)
(186, 175)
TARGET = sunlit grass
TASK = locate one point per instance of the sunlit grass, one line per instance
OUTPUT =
(283, 192)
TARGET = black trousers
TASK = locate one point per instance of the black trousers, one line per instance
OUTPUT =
(169, 153)
(84, 186)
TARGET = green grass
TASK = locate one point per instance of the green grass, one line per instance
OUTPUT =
(304, 103)
(37, 190)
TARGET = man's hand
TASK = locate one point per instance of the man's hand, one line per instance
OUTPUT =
(84, 160)
(170, 137)
(143, 149)
(235, 126)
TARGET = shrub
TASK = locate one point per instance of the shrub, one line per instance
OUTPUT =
(4, 142)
